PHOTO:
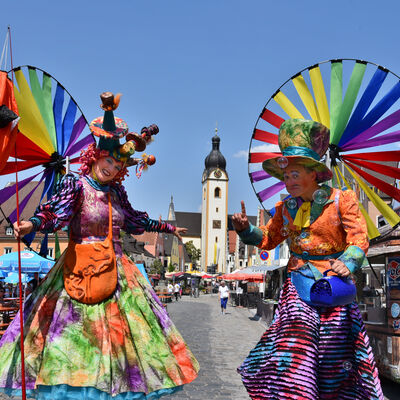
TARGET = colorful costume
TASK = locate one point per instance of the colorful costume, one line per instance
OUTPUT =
(311, 352)
(125, 346)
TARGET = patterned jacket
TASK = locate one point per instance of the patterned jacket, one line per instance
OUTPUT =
(337, 231)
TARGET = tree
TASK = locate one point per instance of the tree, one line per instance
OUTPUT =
(193, 252)
(171, 268)
(156, 267)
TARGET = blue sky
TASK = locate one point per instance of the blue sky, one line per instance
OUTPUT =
(186, 64)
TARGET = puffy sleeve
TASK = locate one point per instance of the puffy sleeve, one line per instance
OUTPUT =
(267, 236)
(58, 211)
(136, 222)
(354, 224)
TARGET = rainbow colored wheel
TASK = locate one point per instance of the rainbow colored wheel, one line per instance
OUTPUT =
(51, 128)
(359, 102)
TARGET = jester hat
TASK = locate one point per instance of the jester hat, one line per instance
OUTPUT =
(111, 129)
(302, 141)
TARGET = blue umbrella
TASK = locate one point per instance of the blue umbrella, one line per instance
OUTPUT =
(13, 278)
(30, 262)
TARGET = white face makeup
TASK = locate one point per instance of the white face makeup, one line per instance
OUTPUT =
(106, 168)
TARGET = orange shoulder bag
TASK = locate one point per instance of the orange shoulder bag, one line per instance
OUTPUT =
(90, 269)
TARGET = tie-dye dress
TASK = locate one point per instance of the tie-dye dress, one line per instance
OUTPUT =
(123, 348)
(314, 353)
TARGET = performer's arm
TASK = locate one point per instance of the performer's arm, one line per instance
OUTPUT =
(354, 224)
(137, 222)
(265, 237)
(57, 212)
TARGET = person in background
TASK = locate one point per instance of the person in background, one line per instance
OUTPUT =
(223, 296)
(177, 288)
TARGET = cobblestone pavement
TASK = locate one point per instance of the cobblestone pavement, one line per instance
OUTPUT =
(220, 343)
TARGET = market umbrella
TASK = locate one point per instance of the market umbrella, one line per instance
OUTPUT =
(30, 262)
(240, 276)
(12, 277)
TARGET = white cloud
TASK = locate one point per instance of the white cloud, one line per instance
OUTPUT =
(263, 148)
(241, 154)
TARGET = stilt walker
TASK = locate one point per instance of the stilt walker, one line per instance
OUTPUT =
(317, 346)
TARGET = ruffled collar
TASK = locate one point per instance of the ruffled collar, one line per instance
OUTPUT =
(97, 185)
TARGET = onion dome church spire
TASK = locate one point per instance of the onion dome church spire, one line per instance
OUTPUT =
(215, 159)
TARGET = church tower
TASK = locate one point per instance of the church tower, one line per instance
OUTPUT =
(214, 210)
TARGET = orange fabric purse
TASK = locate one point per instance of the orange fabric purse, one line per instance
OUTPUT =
(90, 269)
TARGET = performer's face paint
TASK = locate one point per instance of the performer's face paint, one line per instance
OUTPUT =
(300, 182)
(106, 168)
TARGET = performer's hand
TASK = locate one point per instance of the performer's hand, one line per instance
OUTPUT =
(23, 229)
(239, 220)
(339, 268)
(179, 231)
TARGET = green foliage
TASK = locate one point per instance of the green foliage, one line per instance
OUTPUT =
(193, 252)
(171, 268)
(156, 267)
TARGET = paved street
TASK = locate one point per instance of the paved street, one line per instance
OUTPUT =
(220, 343)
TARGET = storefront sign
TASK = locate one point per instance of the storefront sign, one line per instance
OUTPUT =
(394, 273)
(395, 310)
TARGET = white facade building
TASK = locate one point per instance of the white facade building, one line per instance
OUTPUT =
(214, 212)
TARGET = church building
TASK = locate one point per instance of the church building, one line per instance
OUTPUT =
(211, 230)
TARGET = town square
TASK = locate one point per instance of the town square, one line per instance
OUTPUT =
(199, 200)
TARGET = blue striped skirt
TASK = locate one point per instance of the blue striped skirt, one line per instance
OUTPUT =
(312, 354)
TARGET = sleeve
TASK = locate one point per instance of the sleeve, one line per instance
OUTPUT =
(136, 222)
(57, 212)
(354, 224)
(267, 236)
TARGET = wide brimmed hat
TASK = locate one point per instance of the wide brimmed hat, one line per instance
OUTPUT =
(304, 142)
(111, 129)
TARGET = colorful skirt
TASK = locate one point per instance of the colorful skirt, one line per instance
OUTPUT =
(124, 348)
(310, 354)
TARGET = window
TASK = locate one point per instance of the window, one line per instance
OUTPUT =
(9, 231)
(50, 252)
(216, 239)
(216, 210)
(7, 250)
(217, 192)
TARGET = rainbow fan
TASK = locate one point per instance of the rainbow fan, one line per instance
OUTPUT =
(362, 112)
(51, 130)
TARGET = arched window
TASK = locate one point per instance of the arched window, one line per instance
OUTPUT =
(217, 192)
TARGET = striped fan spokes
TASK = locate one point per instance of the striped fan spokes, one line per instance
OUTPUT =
(52, 127)
(359, 102)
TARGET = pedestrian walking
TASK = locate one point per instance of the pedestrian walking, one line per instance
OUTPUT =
(314, 349)
(95, 329)
(170, 288)
(223, 296)
(177, 288)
